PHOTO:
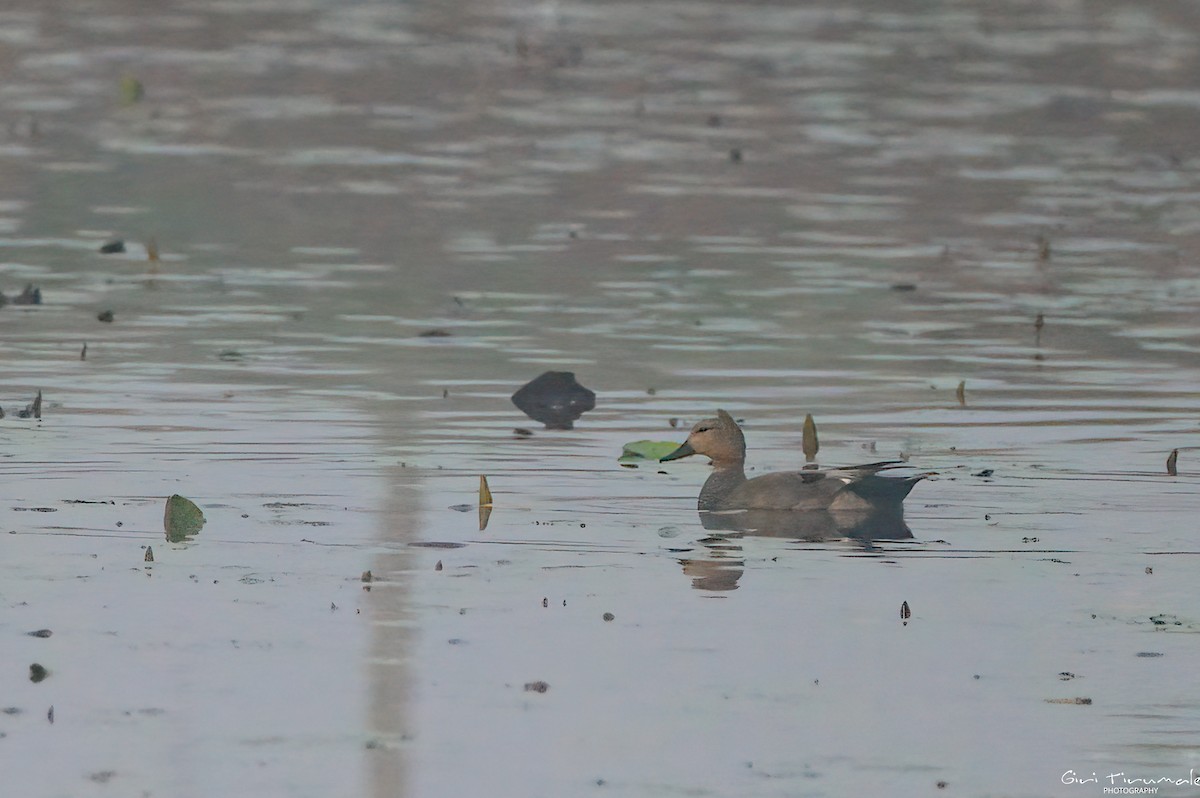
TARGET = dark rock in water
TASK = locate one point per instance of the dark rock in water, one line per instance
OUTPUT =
(113, 247)
(555, 399)
(30, 296)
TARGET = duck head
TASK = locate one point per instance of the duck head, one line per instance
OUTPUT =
(718, 438)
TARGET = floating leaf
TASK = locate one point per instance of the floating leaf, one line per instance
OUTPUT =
(1171, 461)
(152, 252)
(961, 393)
(149, 556)
(905, 612)
(132, 90)
(811, 444)
(485, 493)
(485, 514)
(182, 519)
(555, 398)
(646, 451)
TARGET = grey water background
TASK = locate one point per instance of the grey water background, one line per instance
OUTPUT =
(843, 209)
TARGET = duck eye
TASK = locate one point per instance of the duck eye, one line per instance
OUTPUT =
(704, 429)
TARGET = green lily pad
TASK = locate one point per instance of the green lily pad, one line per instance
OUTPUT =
(646, 451)
(182, 519)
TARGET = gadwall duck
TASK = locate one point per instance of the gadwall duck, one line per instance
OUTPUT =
(856, 489)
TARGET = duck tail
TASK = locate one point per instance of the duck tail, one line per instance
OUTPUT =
(885, 489)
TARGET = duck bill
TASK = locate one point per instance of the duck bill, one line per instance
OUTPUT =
(683, 451)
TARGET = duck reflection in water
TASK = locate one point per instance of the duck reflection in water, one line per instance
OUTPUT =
(854, 504)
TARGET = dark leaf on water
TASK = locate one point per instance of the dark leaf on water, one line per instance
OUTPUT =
(149, 556)
(536, 687)
(905, 612)
(555, 399)
(114, 247)
(40, 633)
(105, 316)
(30, 296)
(434, 334)
(182, 519)
(37, 673)
(33, 409)
(1172, 460)
(961, 393)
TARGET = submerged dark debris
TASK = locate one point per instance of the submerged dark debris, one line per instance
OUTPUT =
(31, 295)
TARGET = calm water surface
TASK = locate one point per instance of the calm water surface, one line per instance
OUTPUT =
(843, 209)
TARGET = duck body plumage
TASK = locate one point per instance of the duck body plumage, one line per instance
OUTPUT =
(851, 489)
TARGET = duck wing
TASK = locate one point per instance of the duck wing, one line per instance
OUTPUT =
(862, 471)
(787, 490)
